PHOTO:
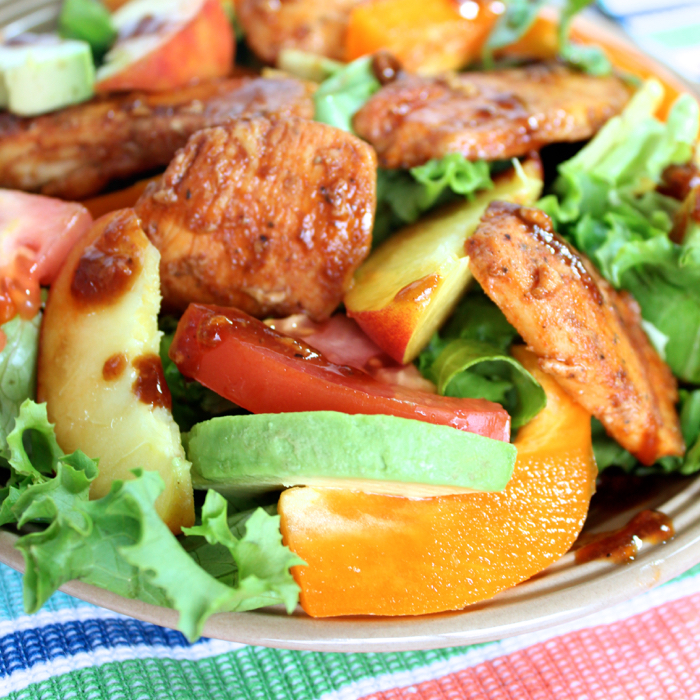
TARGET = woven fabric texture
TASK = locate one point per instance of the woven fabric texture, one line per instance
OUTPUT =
(647, 648)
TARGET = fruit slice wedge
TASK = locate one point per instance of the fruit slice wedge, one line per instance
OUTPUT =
(99, 369)
(384, 555)
(409, 285)
(165, 44)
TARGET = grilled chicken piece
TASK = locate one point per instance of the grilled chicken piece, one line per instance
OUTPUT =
(491, 116)
(317, 26)
(270, 216)
(584, 333)
(75, 153)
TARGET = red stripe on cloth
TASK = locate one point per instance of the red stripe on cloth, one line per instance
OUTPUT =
(651, 656)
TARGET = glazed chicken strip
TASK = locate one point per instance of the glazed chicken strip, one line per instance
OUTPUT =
(316, 26)
(485, 115)
(584, 333)
(75, 153)
(270, 216)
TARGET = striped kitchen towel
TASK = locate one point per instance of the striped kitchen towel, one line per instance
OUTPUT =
(648, 647)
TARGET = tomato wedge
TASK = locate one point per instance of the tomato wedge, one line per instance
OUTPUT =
(36, 234)
(264, 371)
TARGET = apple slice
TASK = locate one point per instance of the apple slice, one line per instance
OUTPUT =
(165, 44)
(409, 285)
(99, 365)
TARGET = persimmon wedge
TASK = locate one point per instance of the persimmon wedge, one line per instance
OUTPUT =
(385, 555)
(264, 371)
(427, 37)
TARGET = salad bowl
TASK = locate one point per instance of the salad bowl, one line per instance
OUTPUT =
(564, 592)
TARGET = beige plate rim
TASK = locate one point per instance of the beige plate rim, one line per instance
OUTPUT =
(564, 592)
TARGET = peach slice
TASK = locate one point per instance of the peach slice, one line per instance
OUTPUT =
(387, 555)
(165, 44)
(99, 368)
(409, 285)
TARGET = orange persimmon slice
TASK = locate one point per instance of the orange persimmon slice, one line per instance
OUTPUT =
(427, 37)
(383, 555)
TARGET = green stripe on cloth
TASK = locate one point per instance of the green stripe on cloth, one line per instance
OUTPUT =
(244, 673)
(251, 673)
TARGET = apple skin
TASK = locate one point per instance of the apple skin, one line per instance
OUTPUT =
(410, 284)
(201, 48)
(98, 368)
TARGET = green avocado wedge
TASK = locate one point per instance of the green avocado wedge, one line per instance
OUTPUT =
(42, 73)
(249, 455)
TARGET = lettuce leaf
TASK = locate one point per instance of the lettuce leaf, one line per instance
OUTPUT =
(411, 193)
(192, 402)
(17, 370)
(605, 203)
(609, 453)
(89, 21)
(590, 59)
(512, 24)
(518, 17)
(119, 543)
(473, 369)
(404, 195)
(215, 557)
(261, 571)
(470, 358)
(340, 96)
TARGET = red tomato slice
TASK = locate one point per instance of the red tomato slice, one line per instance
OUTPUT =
(265, 371)
(36, 234)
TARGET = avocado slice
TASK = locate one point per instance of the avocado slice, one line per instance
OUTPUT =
(249, 455)
(42, 73)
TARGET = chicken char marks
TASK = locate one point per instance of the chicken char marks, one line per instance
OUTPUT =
(76, 152)
(270, 216)
(486, 115)
(584, 333)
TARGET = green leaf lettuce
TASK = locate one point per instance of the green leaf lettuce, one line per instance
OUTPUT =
(119, 543)
(606, 203)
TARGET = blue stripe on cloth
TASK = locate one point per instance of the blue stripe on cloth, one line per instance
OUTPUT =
(26, 648)
(11, 600)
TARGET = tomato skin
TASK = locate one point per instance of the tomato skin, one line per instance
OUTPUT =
(36, 234)
(44, 227)
(264, 371)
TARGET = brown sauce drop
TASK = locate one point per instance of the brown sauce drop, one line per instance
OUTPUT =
(213, 330)
(150, 386)
(622, 545)
(420, 291)
(114, 367)
(687, 215)
(385, 67)
(543, 231)
(108, 268)
(678, 180)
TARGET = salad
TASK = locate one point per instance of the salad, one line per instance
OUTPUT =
(358, 332)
